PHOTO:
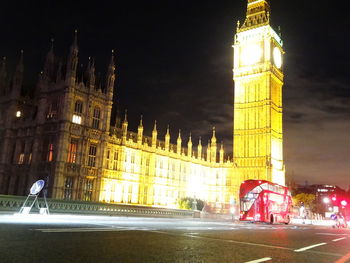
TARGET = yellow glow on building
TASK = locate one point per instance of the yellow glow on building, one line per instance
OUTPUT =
(258, 77)
(145, 171)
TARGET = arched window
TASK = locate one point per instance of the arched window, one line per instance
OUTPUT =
(78, 110)
(96, 118)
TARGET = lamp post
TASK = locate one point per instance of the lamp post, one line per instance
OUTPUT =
(194, 203)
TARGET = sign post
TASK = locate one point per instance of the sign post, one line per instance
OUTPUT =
(32, 199)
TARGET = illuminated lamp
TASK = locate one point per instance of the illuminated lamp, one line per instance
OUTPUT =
(18, 114)
(326, 200)
(343, 203)
(334, 198)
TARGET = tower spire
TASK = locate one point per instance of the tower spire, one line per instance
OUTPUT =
(125, 126)
(199, 149)
(222, 153)
(213, 146)
(178, 143)
(49, 63)
(72, 61)
(208, 151)
(90, 74)
(140, 132)
(110, 76)
(189, 146)
(258, 14)
(167, 139)
(18, 78)
(154, 135)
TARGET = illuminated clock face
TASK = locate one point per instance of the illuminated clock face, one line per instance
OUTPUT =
(251, 54)
(277, 57)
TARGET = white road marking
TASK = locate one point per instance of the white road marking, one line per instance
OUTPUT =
(236, 242)
(331, 234)
(80, 229)
(309, 247)
(335, 240)
(259, 260)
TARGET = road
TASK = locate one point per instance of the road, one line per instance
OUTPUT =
(97, 239)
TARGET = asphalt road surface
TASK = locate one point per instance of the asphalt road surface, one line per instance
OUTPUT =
(38, 239)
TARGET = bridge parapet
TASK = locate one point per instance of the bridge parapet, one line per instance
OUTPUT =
(10, 203)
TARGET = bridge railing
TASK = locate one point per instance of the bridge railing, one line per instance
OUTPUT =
(10, 203)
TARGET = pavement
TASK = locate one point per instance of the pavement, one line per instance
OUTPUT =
(70, 238)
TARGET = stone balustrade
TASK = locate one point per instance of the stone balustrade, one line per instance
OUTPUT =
(9, 204)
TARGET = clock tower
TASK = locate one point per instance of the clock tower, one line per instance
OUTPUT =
(258, 78)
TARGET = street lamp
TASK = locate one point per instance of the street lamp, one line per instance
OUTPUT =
(326, 200)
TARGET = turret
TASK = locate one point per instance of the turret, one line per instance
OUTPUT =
(154, 135)
(125, 126)
(167, 139)
(59, 72)
(222, 153)
(213, 148)
(90, 74)
(208, 151)
(48, 71)
(199, 149)
(110, 77)
(72, 62)
(189, 147)
(18, 78)
(178, 143)
(140, 132)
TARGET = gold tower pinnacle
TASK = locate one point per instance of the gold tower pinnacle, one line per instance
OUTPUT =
(258, 14)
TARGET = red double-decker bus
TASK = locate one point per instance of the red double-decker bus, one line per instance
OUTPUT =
(263, 201)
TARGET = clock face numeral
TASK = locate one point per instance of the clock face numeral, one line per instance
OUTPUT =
(277, 57)
(251, 54)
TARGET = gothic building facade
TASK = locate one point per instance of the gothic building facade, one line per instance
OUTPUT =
(63, 133)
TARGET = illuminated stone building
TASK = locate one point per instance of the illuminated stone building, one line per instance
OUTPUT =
(63, 134)
(258, 77)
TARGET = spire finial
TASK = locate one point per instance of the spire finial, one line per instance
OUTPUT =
(126, 115)
(52, 40)
(155, 125)
(190, 138)
(75, 40)
(111, 67)
(141, 120)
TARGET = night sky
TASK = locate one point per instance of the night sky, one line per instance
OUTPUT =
(174, 65)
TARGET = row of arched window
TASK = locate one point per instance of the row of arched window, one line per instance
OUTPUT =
(78, 112)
